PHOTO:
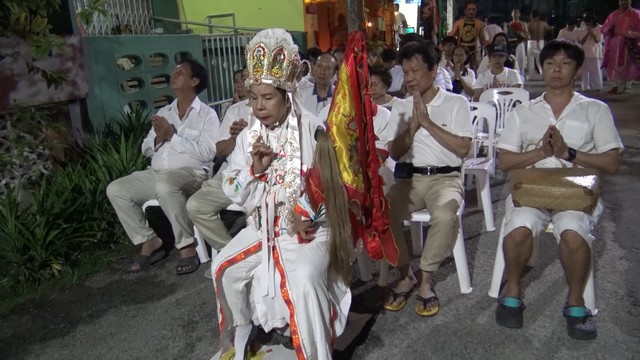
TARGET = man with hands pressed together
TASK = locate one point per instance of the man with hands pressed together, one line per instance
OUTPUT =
(561, 128)
(205, 205)
(180, 143)
(431, 134)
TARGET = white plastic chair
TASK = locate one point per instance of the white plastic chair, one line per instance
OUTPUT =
(504, 100)
(201, 247)
(498, 269)
(482, 168)
(418, 220)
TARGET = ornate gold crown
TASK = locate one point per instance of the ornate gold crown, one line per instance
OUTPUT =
(272, 59)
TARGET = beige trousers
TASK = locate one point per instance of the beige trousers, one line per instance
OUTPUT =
(170, 187)
(442, 196)
(204, 208)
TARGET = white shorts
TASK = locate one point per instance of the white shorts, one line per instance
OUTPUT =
(537, 220)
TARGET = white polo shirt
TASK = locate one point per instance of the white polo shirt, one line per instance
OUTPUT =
(310, 100)
(194, 144)
(237, 111)
(507, 78)
(570, 36)
(592, 49)
(447, 110)
(586, 125)
(397, 78)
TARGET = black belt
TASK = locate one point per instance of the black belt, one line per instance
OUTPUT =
(434, 170)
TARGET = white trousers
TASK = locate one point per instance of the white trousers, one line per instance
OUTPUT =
(310, 299)
(534, 68)
(204, 209)
(170, 187)
(591, 74)
(521, 58)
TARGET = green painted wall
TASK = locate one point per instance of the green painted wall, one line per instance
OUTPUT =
(287, 14)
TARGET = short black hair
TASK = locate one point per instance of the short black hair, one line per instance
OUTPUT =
(574, 22)
(470, 2)
(388, 55)
(381, 72)
(573, 51)
(450, 39)
(425, 49)
(411, 37)
(239, 71)
(313, 54)
(199, 72)
(589, 18)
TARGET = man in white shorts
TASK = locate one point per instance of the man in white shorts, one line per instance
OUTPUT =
(559, 128)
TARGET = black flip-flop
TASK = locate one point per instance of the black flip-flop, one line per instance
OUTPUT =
(145, 261)
(509, 312)
(580, 326)
(426, 303)
(188, 265)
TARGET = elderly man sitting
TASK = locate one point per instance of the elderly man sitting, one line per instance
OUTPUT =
(180, 144)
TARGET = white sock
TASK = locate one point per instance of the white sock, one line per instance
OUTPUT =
(241, 339)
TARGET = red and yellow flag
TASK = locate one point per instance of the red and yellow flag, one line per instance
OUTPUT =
(350, 125)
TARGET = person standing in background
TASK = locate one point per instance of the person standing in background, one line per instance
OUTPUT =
(518, 34)
(468, 30)
(590, 38)
(536, 28)
(430, 21)
(400, 24)
(570, 33)
(621, 27)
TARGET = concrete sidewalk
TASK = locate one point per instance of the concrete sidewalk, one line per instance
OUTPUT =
(158, 315)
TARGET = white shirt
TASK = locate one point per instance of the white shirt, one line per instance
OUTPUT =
(507, 78)
(237, 111)
(397, 76)
(389, 105)
(592, 49)
(469, 78)
(309, 100)
(571, 36)
(447, 110)
(490, 31)
(586, 125)
(194, 144)
(443, 79)
(400, 19)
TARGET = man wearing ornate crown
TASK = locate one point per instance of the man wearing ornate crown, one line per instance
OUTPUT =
(291, 265)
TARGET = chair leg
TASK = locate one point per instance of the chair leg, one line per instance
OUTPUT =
(201, 248)
(468, 181)
(484, 188)
(417, 237)
(589, 294)
(462, 267)
(498, 267)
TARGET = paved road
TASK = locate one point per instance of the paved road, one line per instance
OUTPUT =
(157, 315)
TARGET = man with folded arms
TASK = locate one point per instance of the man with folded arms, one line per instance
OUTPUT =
(561, 128)
(431, 134)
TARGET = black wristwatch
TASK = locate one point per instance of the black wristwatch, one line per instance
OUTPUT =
(572, 155)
